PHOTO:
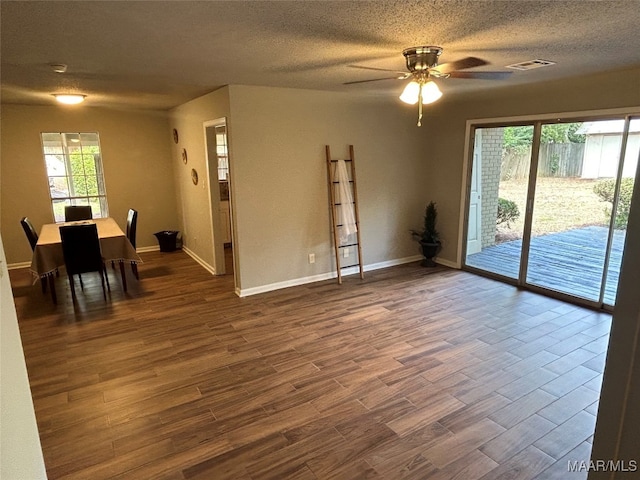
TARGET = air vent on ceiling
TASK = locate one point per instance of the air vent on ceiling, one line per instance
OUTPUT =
(531, 64)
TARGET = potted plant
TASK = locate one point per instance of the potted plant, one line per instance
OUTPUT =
(428, 237)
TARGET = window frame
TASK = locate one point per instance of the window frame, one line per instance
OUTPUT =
(66, 151)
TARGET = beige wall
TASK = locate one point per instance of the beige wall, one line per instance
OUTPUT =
(279, 179)
(618, 423)
(20, 451)
(136, 160)
(618, 420)
(445, 125)
(193, 200)
(277, 139)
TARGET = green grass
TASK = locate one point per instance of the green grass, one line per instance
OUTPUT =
(561, 204)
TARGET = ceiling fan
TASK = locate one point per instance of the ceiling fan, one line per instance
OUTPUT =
(422, 65)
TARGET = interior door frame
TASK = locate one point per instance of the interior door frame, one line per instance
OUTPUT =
(214, 198)
(537, 121)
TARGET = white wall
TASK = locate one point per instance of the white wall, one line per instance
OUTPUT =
(136, 159)
(20, 451)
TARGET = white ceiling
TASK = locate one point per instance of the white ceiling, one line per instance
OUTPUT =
(159, 54)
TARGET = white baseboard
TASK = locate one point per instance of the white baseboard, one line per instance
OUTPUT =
(152, 248)
(448, 263)
(204, 264)
(246, 292)
(391, 263)
(15, 266)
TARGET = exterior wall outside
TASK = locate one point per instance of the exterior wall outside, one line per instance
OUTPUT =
(492, 141)
(602, 152)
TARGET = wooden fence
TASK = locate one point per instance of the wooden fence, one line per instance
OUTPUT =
(556, 160)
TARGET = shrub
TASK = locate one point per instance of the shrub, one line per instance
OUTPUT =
(507, 212)
(605, 189)
(428, 234)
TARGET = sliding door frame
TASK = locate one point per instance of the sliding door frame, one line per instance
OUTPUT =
(531, 195)
(537, 121)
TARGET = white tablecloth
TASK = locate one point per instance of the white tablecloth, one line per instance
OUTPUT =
(47, 256)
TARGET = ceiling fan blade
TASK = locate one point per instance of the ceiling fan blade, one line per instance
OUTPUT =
(379, 69)
(468, 62)
(372, 80)
(481, 75)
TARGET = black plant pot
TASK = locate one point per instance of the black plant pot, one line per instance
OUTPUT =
(429, 250)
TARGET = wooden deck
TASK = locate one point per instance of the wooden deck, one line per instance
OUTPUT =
(570, 262)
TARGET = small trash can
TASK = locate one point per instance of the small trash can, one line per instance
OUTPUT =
(167, 240)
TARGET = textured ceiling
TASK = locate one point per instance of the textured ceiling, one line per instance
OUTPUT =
(155, 54)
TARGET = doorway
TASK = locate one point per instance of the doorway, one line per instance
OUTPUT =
(219, 175)
(554, 204)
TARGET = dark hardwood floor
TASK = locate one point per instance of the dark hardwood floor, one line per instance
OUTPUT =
(411, 373)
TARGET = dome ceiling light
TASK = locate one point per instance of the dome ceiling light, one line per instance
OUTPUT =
(69, 98)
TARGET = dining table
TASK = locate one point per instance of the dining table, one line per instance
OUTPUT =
(48, 256)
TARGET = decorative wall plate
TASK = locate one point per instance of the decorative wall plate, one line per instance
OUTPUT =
(184, 156)
(175, 135)
(194, 176)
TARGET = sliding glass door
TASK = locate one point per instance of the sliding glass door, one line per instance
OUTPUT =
(548, 204)
(620, 205)
(570, 224)
(498, 194)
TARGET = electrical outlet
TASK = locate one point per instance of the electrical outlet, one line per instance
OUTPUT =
(312, 258)
(345, 252)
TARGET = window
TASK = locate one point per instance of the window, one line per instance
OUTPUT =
(74, 171)
(223, 155)
(548, 203)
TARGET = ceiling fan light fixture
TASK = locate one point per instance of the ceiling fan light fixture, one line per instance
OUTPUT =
(423, 65)
(430, 92)
(421, 92)
(420, 59)
(69, 98)
(58, 67)
(411, 93)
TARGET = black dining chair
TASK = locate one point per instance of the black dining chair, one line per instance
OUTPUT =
(81, 250)
(132, 225)
(30, 231)
(32, 236)
(73, 213)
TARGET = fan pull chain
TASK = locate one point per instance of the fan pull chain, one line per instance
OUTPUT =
(420, 105)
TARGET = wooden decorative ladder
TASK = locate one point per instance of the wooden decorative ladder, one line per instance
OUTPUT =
(342, 252)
